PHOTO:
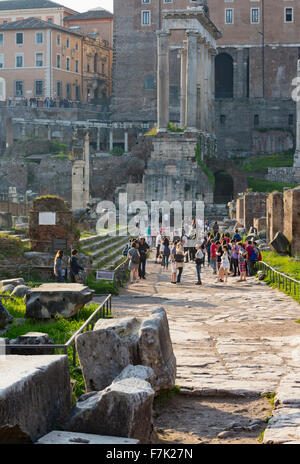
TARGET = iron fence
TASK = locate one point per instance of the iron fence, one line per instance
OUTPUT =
(100, 313)
(283, 281)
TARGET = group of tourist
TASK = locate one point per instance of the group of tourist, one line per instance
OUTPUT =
(75, 272)
(225, 253)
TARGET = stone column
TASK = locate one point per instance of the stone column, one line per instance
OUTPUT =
(191, 85)
(49, 132)
(183, 56)
(163, 85)
(9, 133)
(297, 152)
(86, 188)
(206, 88)
(98, 139)
(201, 83)
(212, 54)
(126, 141)
(111, 139)
(23, 130)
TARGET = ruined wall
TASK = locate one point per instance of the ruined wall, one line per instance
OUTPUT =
(274, 207)
(291, 200)
(240, 210)
(260, 224)
(291, 175)
(254, 207)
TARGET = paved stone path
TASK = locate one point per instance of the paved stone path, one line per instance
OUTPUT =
(235, 339)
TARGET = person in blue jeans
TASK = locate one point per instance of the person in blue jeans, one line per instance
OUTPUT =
(58, 270)
(198, 260)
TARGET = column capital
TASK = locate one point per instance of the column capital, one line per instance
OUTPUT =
(192, 33)
(161, 33)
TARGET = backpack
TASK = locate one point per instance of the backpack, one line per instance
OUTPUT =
(126, 249)
(135, 259)
(253, 256)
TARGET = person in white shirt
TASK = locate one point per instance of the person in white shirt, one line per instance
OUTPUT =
(158, 245)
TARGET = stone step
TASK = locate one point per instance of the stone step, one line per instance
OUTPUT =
(74, 438)
(103, 251)
(100, 238)
(106, 260)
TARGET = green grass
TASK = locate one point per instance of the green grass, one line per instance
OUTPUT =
(102, 287)
(288, 266)
(258, 163)
(261, 185)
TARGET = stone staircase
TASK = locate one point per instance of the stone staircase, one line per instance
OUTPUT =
(104, 250)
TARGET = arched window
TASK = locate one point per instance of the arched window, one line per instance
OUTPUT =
(224, 76)
(149, 82)
(2, 89)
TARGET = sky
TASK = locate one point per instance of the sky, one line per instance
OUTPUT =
(79, 5)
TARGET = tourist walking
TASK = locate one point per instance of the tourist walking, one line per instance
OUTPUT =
(213, 256)
(215, 228)
(198, 260)
(158, 243)
(235, 258)
(134, 261)
(165, 253)
(179, 261)
(173, 264)
(58, 270)
(242, 262)
(143, 250)
(76, 271)
(225, 264)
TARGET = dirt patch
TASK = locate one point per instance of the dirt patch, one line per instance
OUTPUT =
(189, 420)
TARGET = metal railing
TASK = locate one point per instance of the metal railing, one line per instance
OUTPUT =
(100, 313)
(282, 281)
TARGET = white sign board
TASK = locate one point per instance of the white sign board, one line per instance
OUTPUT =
(47, 219)
(2, 89)
(105, 275)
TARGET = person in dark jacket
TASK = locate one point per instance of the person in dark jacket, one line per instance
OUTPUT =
(143, 250)
(75, 268)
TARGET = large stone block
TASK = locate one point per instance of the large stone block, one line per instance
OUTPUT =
(13, 282)
(291, 230)
(123, 409)
(114, 344)
(280, 244)
(5, 317)
(32, 338)
(35, 396)
(57, 437)
(48, 300)
(156, 351)
(103, 356)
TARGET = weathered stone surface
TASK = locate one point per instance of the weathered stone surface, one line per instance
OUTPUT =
(280, 244)
(156, 351)
(7, 288)
(136, 372)
(283, 426)
(35, 394)
(48, 300)
(13, 282)
(123, 409)
(71, 438)
(20, 291)
(5, 317)
(12, 435)
(127, 329)
(32, 338)
(102, 356)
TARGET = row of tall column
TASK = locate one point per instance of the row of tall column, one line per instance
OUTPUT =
(196, 83)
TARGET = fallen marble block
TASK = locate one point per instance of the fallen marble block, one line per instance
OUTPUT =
(123, 409)
(13, 282)
(5, 317)
(32, 338)
(102, 356)
(71, 438)
(136, 372)
(144, 342)
(50, 300)
(20, 291)
(35, 396)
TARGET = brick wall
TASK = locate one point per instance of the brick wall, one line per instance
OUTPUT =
(274, 214)
(291, 201)
(254, 207)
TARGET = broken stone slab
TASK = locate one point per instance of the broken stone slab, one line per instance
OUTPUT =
(50, 300)
(5, 317)
(35, 396)
(20, 291)
(13, 282)
(123, 409)
(32, 338)
(71, 438)
(102, 356)
(8, 289)
(280, 244)
(283, 426)
(127, 329)
(156, 351)
(136, 372)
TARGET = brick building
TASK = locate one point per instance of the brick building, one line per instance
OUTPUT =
(39, 59)
(16, 10)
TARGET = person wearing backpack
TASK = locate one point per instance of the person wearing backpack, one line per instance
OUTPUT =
(198, 260)
(143, 250)
(242, 255)
(179, 261)
(76, 271)
(165, 253)
(134, 261)
(251, 258)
